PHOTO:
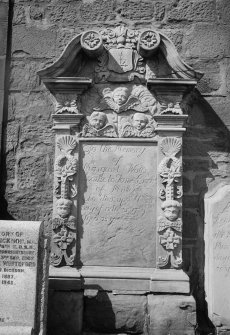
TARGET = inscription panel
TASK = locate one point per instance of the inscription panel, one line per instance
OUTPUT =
(218, 255)
(117, 207)
(18, 273)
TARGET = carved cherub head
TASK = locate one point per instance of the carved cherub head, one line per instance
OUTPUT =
(64, 207)
(140, 121)
(171, 209)
(98, 120)
(120, 95)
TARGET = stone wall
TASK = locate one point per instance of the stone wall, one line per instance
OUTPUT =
(39, 32)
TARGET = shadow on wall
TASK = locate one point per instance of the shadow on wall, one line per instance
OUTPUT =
(94, 307)
(206, 155)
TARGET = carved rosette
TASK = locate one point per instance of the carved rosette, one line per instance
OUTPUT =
(64, 224)
(170, 223)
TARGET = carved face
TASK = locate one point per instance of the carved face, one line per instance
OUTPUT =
(120, 95)
(98, 120)
(140, 121)
(63, 208)
(171, 212)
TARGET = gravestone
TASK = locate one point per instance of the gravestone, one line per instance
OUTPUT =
(217, 255)
(117, 203)
(23, 277)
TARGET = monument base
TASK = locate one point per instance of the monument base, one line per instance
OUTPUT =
(120, 300)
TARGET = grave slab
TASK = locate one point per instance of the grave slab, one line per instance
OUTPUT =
(217, 253)
(24, 278)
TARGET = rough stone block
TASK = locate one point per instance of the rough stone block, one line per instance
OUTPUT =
(223, 10)
(108, 313)
(33, 42)
(212, 79)
(2, 72)
(200, 182)
(10, 163)
(221, 106)
(3, 38)
(65, 14)
(134, 10)
(189, 224)
(37, 106)
(186, 185)
(37, 212)
(196, 164)
(4, 11)
(207, 41)
(171, 314)
(197, 10)
(159, 10)
(23, 75)
(32, 173)
(19, 14)
(195, 147)
(98, 10)
(64, 313)
(190, 201)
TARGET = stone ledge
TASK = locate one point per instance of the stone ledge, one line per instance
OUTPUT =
(120, 278)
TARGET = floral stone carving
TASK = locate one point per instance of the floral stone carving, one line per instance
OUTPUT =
(64, 227)
(65, 167)
(64, 224)
(169, 224)
(67, 104)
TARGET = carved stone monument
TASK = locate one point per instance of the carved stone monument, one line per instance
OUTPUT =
(24, 278)
(217, 256)
(118, 192)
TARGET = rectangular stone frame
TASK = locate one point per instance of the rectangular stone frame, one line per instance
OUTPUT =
(158, 278)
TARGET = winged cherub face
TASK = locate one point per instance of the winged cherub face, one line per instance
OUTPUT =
(64, 207)
(97, 120)
(120, 95)
(140, 121)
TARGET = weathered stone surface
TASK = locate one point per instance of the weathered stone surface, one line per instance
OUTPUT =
(159, 10)
(4, 11)
(33, 174)
(217, 263)
(97, 10)
(221, 106)
(65, 311)
(24, 277)
(32, 106)
(176, 315)
(189, 224)
(198, 10)
(133, 11)
(212, 79)
(118, 208)
(108, 313)
(3, 38)
(34, 42)
(223, 10)
(23, 76)
(2, 72)
(19, 14)
(207, 41)
(197, 164)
